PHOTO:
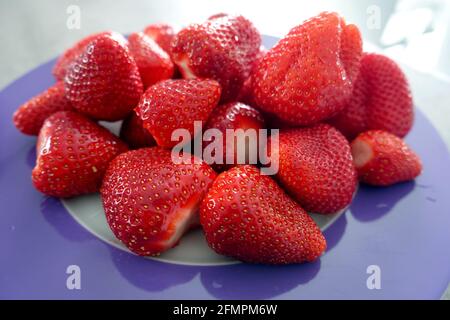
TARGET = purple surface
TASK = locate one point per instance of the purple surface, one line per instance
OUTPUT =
(404, 229)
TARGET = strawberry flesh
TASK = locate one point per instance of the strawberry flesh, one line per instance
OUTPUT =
(234, 116)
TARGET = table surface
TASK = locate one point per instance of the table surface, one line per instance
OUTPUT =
(33, 32)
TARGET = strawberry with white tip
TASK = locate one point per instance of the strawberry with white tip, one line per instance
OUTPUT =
(150, 201)
(247, 216)
(383, 159)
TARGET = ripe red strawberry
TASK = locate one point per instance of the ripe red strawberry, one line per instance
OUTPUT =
(154, 63)
(104, 82)
(246, 93)
(73, 153)
(308, 76)
(176, 104)
(149, 201)
(69, 56)
(381, 100)
(222, 48)
(163, 34)
(30, 116)
(235, 115)
(247, 216)
(134, 134)
(383, 159)
(316, 167)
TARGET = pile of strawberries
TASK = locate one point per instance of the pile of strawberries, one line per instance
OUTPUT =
(341, 113)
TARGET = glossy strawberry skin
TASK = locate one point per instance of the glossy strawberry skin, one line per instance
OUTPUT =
(234, 115)
(246, 93)
(163, 34)
(69, 56)
(150, 201)
(308, 76)
(134, 134)
(353, 119)
(30, 116)
(381, 100)
(383, 159)
(316, 167)
(72, 155)
(247, 216)
(176, 104)
(222, 48)
(154, 63)
(104, 82)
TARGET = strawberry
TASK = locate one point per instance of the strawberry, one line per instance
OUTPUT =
(30, 116)
(382, 159)
(69, 56)
(235, 115)
(104, 81)
(176, 104)
(163, 34)
(154, 63)
(315, 167)
(247, 216)
(381, 100)
(222, 48)
(73, 153)
(149, 201)
(246, 93)
(133, 133)
(308, 75)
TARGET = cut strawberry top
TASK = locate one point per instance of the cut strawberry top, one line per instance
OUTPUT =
(104, 82)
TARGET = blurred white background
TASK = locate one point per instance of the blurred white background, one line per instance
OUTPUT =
(414, 32)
